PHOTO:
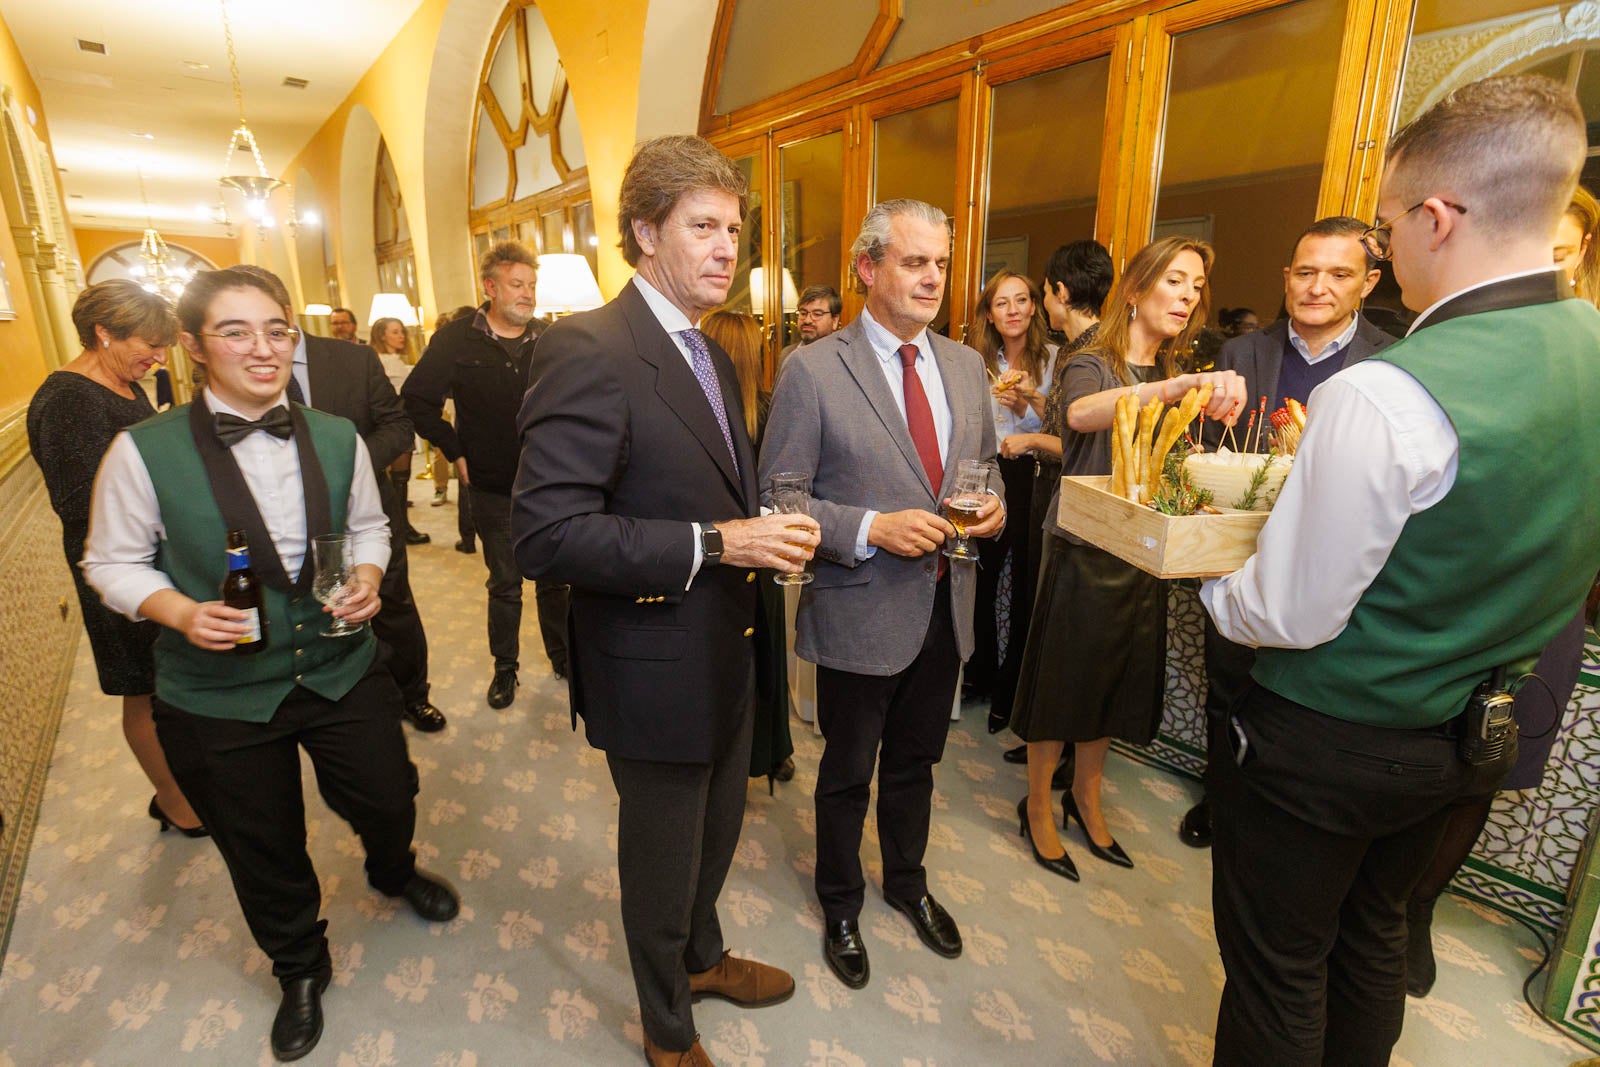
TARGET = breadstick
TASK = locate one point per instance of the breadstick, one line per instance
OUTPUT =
(1141, 445)
(1194, 402)
(1122, 452)
(1297, 412)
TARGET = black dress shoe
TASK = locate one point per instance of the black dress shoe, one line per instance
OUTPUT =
(846, 953)
(431, 897)
(425, 717)
(503, 690)
(934, 925)
(466, 548)
(167, 824)
(1421, 968)
(1195, 829)
(1016, 755)
(417, 537)
(1062, 865)
(1112, 853)
(998, 722)
(297, 1027)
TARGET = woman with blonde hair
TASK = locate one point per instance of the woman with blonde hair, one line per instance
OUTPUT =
(771, 748)
(1095, 664)
(1576, 250)
(1010, 332)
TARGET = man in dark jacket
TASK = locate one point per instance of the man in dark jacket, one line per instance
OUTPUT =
(481, 361)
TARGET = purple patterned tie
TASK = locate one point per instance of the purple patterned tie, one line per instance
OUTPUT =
(706, 375)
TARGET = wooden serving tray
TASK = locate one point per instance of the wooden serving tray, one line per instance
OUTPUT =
(1167, 546)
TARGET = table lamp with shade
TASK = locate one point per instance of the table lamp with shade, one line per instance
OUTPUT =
(566, 284)
(393, 306)
(758, 293)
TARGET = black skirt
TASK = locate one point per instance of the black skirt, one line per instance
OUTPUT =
(1095, 664)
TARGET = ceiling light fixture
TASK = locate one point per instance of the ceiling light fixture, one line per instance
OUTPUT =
(155, 270)
(257, 187)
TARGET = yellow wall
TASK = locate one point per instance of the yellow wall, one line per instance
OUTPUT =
(602, 49)
(223, 251)
(26, 362)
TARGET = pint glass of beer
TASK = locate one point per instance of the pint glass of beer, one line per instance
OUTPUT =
(791, 495)
(971, 492)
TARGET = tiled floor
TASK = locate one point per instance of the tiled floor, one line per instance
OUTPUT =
(130, 948)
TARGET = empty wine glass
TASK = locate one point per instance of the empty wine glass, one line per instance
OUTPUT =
(791, 495)
(331, 583)
(966, 500)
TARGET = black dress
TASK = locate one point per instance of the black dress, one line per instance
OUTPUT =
(1095, 664)
(71, 422)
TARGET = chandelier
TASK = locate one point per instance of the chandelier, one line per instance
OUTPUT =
(156, 270)
(257, 187)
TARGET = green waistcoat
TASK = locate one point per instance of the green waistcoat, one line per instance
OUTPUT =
(193, 554)
(1489, 574)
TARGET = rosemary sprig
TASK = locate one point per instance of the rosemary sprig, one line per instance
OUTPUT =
(1252, 493)
(1176, 495)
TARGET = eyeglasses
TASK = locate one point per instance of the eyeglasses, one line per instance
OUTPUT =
(814, 313)
(241, 342)
(1376, 238)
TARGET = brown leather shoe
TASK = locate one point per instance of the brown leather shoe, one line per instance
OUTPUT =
(744, 982)
(694, 1056)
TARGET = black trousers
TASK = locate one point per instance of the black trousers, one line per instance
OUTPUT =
(491, 513)
(1319, 838)
(677, 827)
(398, 625)
(243, 779)
(898, 722)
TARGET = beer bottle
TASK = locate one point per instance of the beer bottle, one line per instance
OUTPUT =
(242, 589)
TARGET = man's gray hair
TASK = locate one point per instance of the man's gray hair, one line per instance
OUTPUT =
(877, 227)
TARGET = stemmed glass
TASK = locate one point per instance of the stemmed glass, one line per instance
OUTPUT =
(966, 500)
(331, 582)
(791, 495)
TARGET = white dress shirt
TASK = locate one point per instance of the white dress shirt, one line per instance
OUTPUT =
(886, 346)
(1298, 343)
(1377, 449)
(125, 527)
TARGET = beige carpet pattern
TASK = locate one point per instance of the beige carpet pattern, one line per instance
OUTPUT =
(129, 947)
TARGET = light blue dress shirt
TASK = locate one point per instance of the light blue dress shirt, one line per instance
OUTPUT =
(886, 346)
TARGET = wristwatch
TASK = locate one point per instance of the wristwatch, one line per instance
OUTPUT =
(710, 544)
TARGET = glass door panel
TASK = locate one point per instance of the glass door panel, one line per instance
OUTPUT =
(811, 225)
(750, 239)
(1044, 166)
(914, 155)
(1249, 104)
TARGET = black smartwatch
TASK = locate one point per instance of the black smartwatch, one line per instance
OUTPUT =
(710, 544)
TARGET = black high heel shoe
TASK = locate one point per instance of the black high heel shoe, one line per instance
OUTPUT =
(167, 824)
(1111, 854)
(1062, 865)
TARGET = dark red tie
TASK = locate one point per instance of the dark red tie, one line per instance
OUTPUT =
(919, 420)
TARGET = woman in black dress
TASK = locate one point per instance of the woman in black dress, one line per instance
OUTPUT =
(1095, 666)
(124, 331)
(771, 747)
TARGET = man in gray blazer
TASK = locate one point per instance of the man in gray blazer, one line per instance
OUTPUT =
(1328, 275)
(880, 415)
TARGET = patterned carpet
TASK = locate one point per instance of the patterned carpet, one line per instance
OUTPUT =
(129, 947)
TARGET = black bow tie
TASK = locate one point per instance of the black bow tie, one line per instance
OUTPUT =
(231, 429)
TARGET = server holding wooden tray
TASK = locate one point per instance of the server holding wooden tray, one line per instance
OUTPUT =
(1435, 535)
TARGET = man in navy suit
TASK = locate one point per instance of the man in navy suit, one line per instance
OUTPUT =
(636, 487)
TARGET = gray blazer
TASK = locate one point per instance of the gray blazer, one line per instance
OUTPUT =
(1258, 355)
(834, 418)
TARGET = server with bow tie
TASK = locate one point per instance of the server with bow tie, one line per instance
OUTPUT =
(169, 490)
